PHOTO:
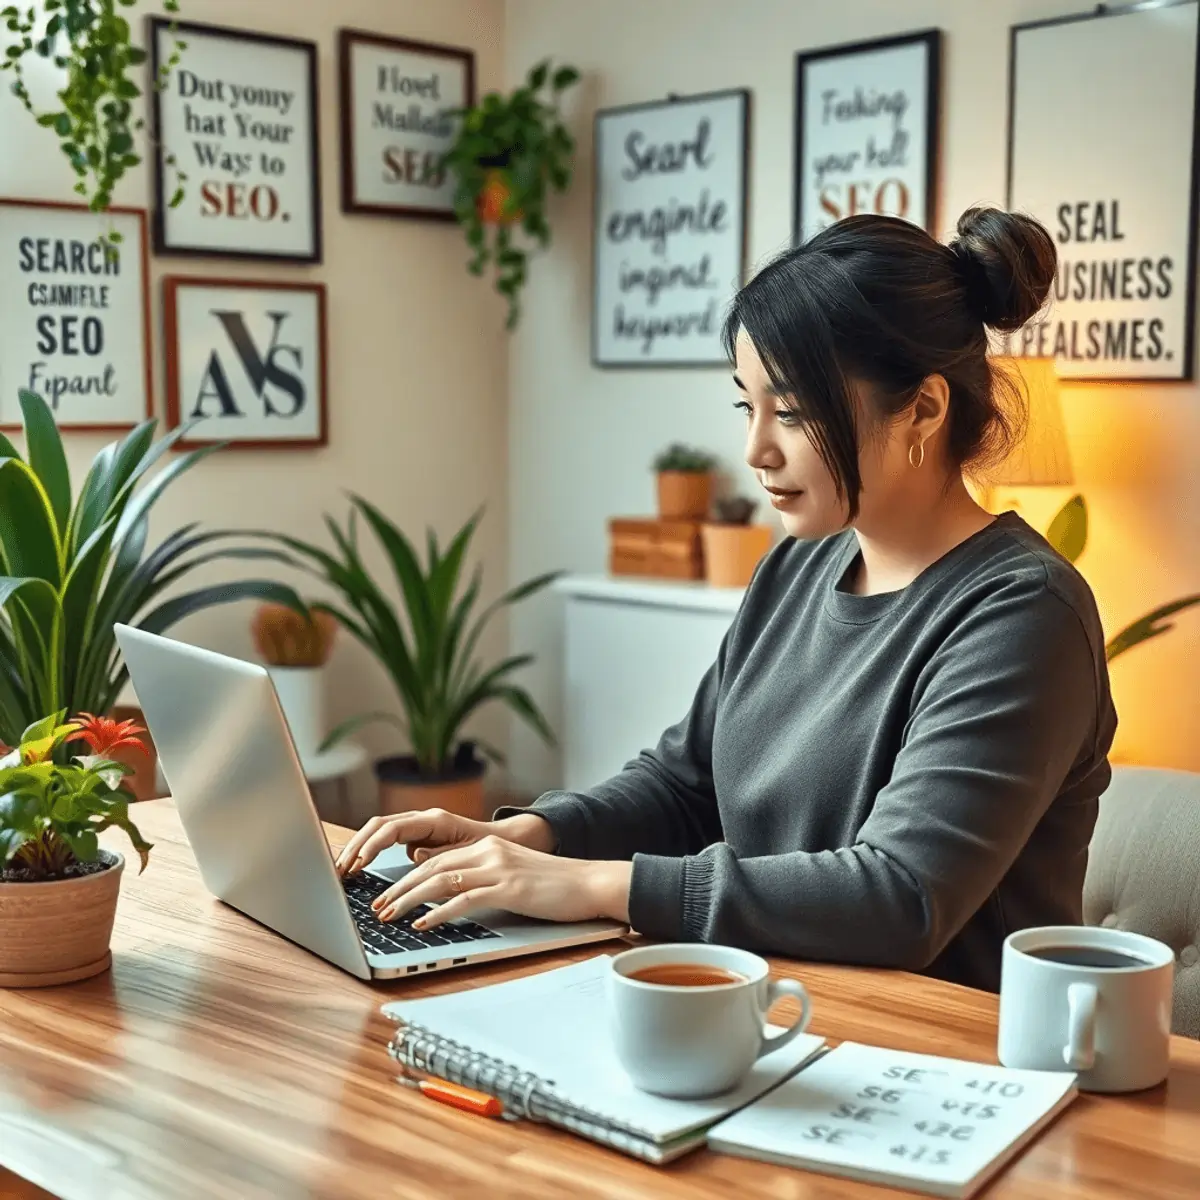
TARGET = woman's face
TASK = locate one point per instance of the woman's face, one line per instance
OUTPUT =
(787, 464)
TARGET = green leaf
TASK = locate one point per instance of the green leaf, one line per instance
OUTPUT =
(46, 456)
(1152, 625)
(346, 728)
(522, 704)
(537, 77)
(83, 843)
(174, 610)
(29, 542)
(1068, 531)
(564, 77)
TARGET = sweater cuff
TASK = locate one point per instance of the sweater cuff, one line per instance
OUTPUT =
(565, 815)
(670, 898)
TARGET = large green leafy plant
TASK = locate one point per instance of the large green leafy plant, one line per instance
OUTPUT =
(70, 570)
(92, 42)
(1068, 534)
(428, 649)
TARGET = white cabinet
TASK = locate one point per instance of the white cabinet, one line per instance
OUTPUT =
(635, 651)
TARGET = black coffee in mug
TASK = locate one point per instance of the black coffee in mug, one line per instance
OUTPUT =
(1088, 956)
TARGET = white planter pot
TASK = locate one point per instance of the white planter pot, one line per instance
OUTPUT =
(301, 692)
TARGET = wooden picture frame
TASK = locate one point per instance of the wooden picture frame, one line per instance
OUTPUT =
(625, 337)
(1116, 182)
(397, 152)
(873, 177)
(256, 183)
(93, 301)
(237, 363)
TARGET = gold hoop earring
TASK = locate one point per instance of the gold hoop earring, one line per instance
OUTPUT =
(916, 466)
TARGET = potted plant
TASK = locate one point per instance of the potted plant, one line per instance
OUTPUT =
(427, 647)
(296, 648)
(71, 569)
(685, 478)
(58, 889)
(732, 546)
(508, 153)
(92, 43)
(1068, 535)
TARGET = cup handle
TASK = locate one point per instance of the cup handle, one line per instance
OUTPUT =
(1080, 1051)
(785, 987)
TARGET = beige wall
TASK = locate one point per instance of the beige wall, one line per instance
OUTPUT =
(417, 350)
(581, 439)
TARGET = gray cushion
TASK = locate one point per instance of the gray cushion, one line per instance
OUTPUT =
(1144, 871)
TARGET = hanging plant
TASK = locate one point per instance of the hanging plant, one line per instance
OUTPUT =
(509, 152)
(90, 40)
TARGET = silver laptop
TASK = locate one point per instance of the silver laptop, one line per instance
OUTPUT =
(236, 780)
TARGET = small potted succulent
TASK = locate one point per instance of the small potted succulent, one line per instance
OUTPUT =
(685, 478)
(296, 649)
(732, 546)
(58, 888)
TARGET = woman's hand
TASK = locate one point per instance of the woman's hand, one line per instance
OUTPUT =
(496, 873)
(430, 832)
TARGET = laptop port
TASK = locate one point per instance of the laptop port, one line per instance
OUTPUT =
(458, 962)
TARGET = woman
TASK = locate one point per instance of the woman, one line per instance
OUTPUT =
(896, 758)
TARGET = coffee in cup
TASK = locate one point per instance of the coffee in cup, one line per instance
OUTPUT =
(690, 1021)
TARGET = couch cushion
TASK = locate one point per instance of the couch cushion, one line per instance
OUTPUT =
(1144, 871)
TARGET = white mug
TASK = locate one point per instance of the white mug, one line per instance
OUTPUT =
(1070, 1012)
(689, 1042)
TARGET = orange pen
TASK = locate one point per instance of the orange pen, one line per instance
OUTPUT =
(456, 1096)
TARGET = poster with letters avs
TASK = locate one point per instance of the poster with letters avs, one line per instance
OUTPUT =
(670, 229)
(395, 100)
(239, 116)
(74, 314)
(1102, 131)
(246, 361)
(867, 131)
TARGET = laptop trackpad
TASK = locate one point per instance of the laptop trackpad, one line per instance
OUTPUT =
(392, 863)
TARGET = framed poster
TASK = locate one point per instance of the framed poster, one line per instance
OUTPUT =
(669, 244)
(246, 360)
(74, 314)
(395, 95)
(239, 114)
(1111, 172)
(867, 131)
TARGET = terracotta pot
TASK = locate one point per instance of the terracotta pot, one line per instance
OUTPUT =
(143, 783)
(58, 931)
(403, 788)
(684, 495)
(731, 552)
(494, 204)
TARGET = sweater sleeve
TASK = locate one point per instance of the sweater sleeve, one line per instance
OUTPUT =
(663, 802)
(1001, 714)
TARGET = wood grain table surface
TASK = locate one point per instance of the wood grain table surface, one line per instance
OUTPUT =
(217, 1060)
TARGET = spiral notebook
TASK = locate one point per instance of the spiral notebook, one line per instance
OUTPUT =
(541, 1046)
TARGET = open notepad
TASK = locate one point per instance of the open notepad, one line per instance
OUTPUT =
(541, 1045)
(936, 1125)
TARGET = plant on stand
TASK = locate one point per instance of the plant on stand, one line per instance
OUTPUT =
(685, 483)
(732, 546)
(58, 888)
(427, 647)
(508, 153)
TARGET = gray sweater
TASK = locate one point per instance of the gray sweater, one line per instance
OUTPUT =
(894, 780)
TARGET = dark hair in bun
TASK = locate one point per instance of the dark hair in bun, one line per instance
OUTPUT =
(877, 299)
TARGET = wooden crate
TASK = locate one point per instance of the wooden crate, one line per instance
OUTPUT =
(656, 549)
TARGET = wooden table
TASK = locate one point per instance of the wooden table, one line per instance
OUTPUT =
(217, 1060)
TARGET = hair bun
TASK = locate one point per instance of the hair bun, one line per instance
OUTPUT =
(1007, 262)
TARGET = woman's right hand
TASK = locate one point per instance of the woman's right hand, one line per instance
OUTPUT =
(430, 832)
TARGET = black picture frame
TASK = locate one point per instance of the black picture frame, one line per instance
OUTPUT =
(186, 29)
(744, 94)
(932, 40)
(347, 40)
(1189, 265)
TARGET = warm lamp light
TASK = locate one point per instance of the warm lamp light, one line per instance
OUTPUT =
(1042, 459)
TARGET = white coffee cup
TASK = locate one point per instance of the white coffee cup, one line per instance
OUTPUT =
(1071, 1012)
(688, 1041)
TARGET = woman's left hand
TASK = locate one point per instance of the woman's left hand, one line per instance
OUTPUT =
(496, 873)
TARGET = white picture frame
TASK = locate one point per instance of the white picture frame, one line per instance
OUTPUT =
(867, 131)
(74, 314)
(395, 96)
(669, 239)
(1111, 171)
(239, 117)
(247, 361)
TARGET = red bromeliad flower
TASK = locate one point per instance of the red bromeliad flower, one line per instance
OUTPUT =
(104, 735)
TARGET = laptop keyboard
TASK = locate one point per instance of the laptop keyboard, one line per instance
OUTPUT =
(393, 937)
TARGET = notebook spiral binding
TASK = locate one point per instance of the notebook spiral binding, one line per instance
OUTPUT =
(522, 1093)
